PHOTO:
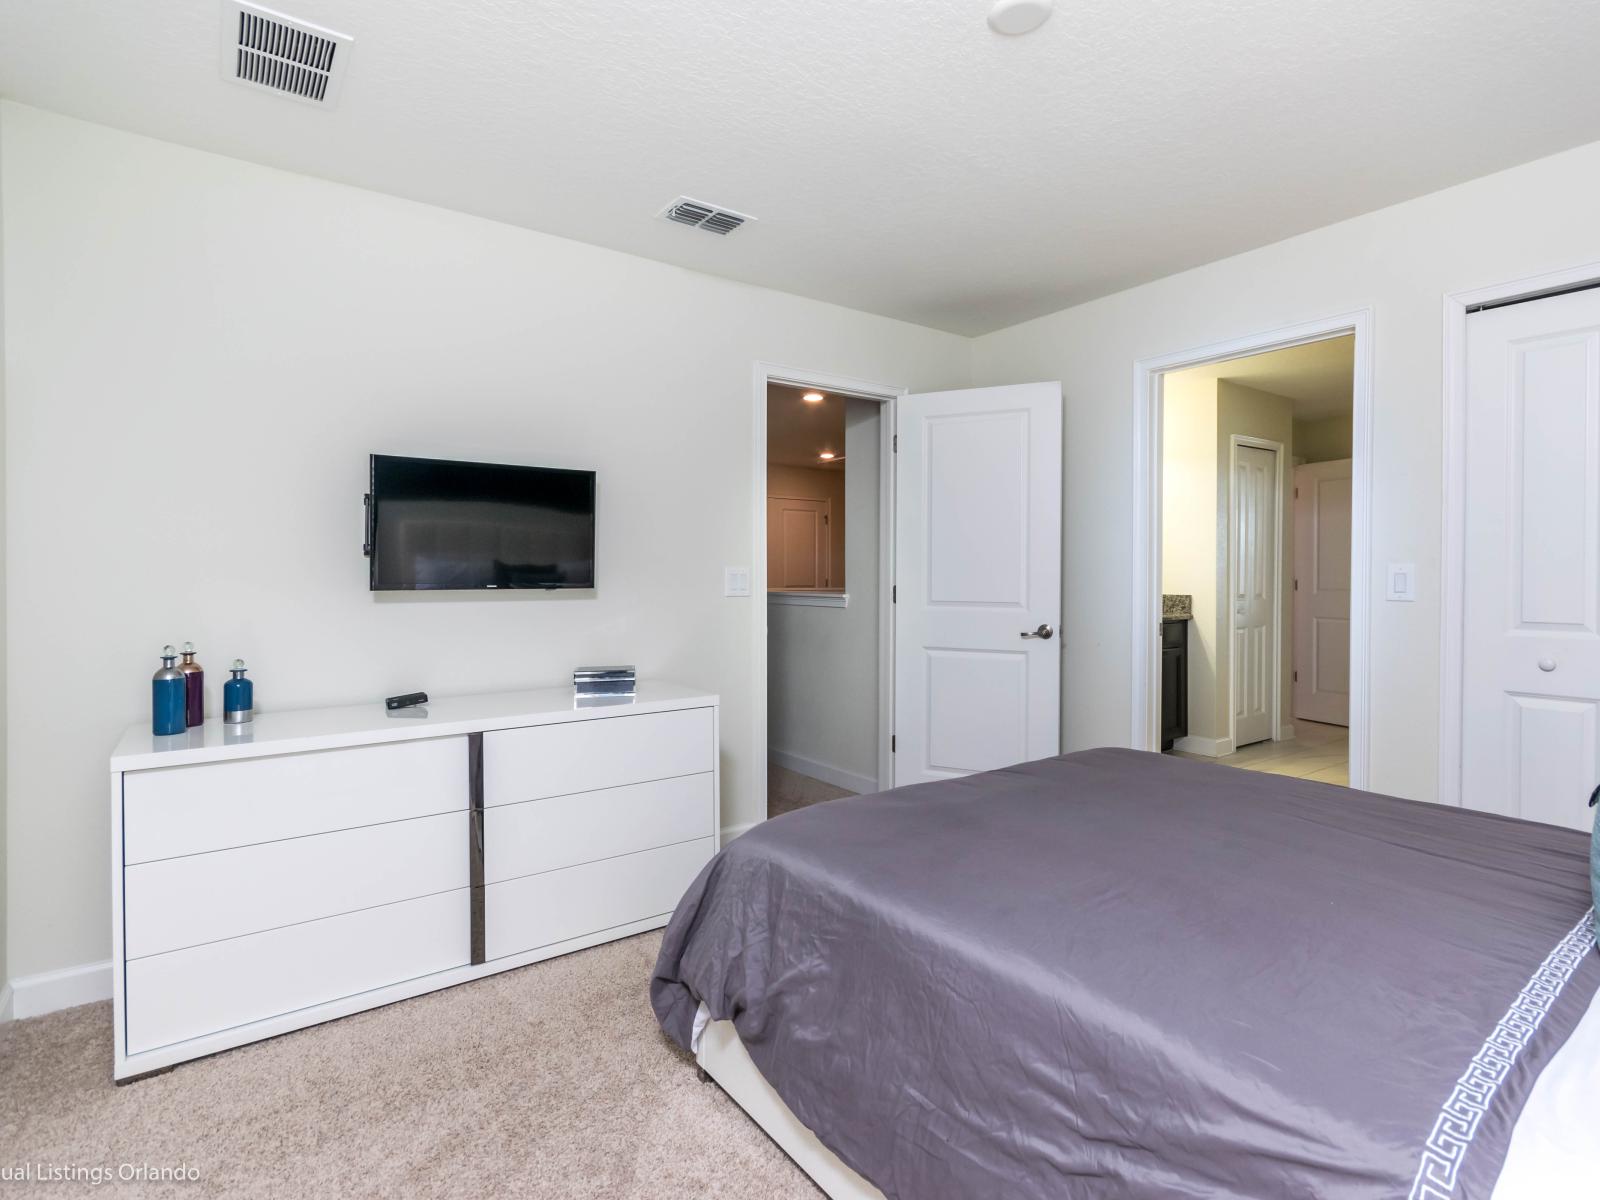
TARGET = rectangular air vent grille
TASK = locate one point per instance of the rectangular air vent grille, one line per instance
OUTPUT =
(266, 49)
(700, 215)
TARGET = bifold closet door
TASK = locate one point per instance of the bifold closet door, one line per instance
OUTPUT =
(1531, 644)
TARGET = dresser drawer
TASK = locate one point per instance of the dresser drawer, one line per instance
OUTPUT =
(190, 810)
(561, 831)
(539, 910)
(180, 902)
(190, 993)
(581, 756)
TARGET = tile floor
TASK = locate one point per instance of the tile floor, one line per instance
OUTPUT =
(1317, 751)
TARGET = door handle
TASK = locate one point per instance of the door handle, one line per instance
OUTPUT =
(1547, 664)
(1044, 633)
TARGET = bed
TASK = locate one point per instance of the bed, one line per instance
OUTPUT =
(1118, 974)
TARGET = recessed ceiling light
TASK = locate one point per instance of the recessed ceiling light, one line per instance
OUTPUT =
(826, 456)
(813, 397)
(1019, 16)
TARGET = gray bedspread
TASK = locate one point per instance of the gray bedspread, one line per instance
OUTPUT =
(1116, 974)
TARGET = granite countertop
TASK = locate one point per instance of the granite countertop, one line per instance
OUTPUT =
(1177, 608)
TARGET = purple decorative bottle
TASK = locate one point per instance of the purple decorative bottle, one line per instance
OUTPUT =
(194, 688)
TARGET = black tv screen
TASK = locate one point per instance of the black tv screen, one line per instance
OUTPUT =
(435, 524)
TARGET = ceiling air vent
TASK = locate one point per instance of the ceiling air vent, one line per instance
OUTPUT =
(265, 49)
(704, 216)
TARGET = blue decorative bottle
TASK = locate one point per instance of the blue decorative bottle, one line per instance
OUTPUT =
(167, 696)
(238, 697)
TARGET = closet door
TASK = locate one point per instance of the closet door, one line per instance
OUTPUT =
(1531, 644)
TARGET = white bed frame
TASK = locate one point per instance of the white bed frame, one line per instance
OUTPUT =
(723, 1057)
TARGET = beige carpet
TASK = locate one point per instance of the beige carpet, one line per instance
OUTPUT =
(788, 790)
(549, 1081)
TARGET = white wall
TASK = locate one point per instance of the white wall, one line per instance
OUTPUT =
(201, 353)
(5, 873)
(822, 665)
(1400, 261)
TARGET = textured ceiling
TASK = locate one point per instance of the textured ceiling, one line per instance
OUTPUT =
(1318, 376)
(901, 157)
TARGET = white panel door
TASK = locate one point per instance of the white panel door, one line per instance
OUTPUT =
(978, 578)
(1322, 592)
(798, 541)
(1252, 587)
(1531, 644)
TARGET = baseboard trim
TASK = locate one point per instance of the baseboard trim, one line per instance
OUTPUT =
(827, 772)
(729, 832)
(5, 1002)
(50, 991)
(1209, 747)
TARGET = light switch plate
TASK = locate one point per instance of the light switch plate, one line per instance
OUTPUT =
(1402, 582)
(735, 581)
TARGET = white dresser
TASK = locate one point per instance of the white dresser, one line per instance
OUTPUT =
(312, 864)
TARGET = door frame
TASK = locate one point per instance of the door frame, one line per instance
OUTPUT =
(1453, 551)
(1148, 374)
(1236, 440)
(886, 395)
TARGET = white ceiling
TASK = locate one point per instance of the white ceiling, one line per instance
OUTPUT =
(798, 431)
(900, 156)
(1318, 376)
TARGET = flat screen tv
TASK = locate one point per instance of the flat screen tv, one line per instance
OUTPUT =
(437, 525)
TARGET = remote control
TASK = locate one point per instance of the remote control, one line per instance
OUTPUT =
(409, 700)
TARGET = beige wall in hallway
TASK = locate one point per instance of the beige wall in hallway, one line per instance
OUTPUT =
(1327, 440)
(1189, 535)
(1199, 418)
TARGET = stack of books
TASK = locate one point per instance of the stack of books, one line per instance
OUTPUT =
(611, 682)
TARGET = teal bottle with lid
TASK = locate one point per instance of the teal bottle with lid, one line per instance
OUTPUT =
(238, 697)
(167, 695)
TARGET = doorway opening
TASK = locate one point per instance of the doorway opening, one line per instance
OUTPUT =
(1255, 466)
(824, 571)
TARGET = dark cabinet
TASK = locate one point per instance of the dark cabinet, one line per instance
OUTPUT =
(1174, 681)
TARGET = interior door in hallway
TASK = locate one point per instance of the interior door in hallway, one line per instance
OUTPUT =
(1322, 592)
(978, 580)
(1253, 590)
(1531, 628)
(797, 543)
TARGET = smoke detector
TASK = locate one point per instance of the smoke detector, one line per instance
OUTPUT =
(700, 215)
(266, 49)
(1015, 17)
